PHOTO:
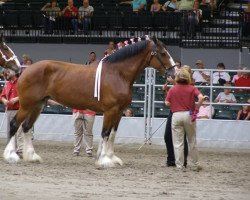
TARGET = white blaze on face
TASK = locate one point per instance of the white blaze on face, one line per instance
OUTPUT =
(170, 59)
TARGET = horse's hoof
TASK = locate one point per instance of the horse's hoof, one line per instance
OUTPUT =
(11, 157)
(117, 160)
(31, 156)
(105, 162)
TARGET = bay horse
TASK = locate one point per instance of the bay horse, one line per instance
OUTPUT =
(73, 85)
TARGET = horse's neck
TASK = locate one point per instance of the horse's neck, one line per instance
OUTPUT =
(131, 71)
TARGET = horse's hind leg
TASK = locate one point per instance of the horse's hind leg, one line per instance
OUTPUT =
(105, 153)
(10, 150)
(29, 153)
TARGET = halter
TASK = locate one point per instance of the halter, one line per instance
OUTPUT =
(12, 58)
(154, 53)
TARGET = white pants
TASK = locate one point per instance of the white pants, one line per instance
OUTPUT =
(181, 124)
(83, 128)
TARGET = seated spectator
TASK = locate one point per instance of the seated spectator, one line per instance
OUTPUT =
(244, 113)
(25, 57)
(137, 5)
(155, 6)
(220, 77)
(244, 80)
(129, 112)
(27, 64)
(85, 13)
(92, 58)
(171, 5)
(206, 111)
(246, 21)
(69, 13)
(201, 77)
(52, 12)
(110, 49)
(226, 96)
(237, 76)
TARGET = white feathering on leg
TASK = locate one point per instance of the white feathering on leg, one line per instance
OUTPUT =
(9, 153)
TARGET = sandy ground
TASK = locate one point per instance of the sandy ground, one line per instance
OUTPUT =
(226, 175)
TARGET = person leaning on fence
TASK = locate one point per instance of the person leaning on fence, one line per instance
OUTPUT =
(181, 99)
(226, 96)
(83, 123)
(243, 81)
(10, 99)
(52, 12)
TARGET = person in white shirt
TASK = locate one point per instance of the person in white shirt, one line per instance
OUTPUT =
(220, 77)
(201, 77)
(226, 96)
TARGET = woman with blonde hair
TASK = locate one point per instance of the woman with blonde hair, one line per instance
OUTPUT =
(181, 99)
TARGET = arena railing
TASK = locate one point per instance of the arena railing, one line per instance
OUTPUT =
(227, 111)
(222, 29)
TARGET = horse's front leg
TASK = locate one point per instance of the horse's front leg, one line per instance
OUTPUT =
(105, 153)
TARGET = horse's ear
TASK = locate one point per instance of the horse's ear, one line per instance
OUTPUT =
(155, 39)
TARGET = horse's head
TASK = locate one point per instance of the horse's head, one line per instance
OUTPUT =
(8, 59)
(160, 59)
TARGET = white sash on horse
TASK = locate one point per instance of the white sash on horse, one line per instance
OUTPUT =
(98, 81)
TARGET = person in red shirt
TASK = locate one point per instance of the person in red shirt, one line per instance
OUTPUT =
(10, 99)
(181, 99)
(69, 13)
(243, 81)
(84, 121)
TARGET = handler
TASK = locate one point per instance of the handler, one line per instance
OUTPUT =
(181, 99)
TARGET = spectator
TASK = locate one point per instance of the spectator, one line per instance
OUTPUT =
(246, 21)
(69, 13)
(226, 96)
(244, 113)
(244, 80)
(171, 5)
(206, 111)
(84, 121)
(85, 14)
(171, 74)
(28, 63)
(52, 11)
(237, 76)
(155, 6)
(129, 112)
(25, 57)
(110, 49)
(221, 77)
(92, 58)
(137, 5)
(10, 100)
(201, 77)
(181, 99)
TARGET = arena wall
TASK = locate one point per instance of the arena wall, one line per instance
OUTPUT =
(210, 133)
(78, 53)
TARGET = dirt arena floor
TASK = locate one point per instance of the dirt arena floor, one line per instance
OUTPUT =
(226, 175)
